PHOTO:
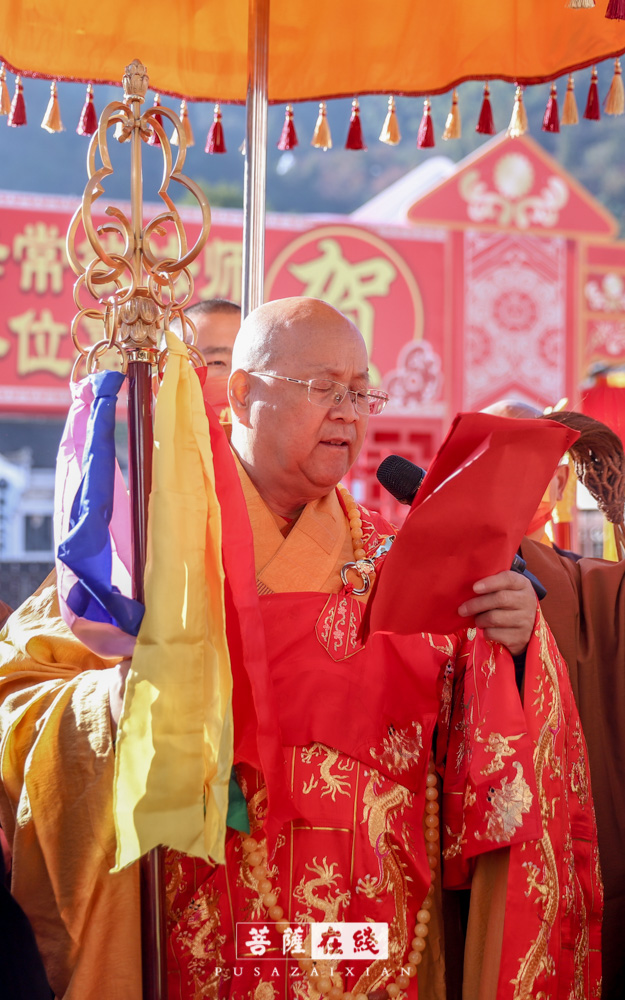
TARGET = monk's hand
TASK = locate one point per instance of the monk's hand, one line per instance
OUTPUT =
(505, 608)
(117, 686)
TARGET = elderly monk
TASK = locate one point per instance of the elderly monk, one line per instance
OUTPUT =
(356, 725)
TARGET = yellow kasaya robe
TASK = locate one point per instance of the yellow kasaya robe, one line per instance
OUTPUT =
(57, 761)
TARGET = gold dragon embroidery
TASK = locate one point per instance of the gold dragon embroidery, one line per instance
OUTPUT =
(333, 784)
(537, 959)
(499, 746)
(509, 803)
(329, 904)
(400, 749)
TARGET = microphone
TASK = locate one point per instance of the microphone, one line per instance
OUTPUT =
(400, 478)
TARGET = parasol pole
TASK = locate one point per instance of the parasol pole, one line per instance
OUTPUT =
(254, 196)
(137, 294)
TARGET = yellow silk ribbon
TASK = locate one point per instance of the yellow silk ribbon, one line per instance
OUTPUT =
(175, 739)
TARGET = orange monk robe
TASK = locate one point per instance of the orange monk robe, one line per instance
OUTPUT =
(57, 760)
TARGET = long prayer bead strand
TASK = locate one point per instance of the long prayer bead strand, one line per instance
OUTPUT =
(255, 851)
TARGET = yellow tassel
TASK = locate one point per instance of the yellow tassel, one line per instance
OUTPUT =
(321, 136)
(581, 4)
(615, 101)
(518, 122)
(390, 133)
(569, 114)
(52, 118)
(5, 97)
(186, 125)
(453, 125)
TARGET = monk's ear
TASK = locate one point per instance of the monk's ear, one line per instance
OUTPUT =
(239, 392)
(561, 478)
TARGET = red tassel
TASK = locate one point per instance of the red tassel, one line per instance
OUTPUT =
(593, 111)
(355, 138)
(288, 138)
(550, 121)
(88, 122)
(616, 10)
(425, 136)
(154, 139)
(17, 114)
(215, 142)
(485, 124)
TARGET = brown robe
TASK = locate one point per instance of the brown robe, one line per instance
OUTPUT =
(585, 609)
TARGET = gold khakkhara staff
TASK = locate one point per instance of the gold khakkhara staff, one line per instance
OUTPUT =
(134, 295)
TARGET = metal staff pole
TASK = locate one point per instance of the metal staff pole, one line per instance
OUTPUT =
(136, 293)
(254, 197)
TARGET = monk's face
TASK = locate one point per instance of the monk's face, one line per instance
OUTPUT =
(216, 333)
(297, 451)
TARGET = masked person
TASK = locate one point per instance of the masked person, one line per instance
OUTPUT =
(355, 725)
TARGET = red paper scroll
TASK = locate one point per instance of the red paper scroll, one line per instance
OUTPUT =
(467, 520)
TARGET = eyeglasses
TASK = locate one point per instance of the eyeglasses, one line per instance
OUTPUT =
(324, 392)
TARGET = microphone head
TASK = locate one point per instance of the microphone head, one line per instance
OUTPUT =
(400, 477)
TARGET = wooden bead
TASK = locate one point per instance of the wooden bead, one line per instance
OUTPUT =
(431, 781)
(275, 912)
(410, 969)
(414, 957)
(431, 794)
(418, 959)
(431, 836)
(264, 886)
(305, 964)
(354, 514)
(433, 860)
(249, 844)
(270, 899)
(393, 990)
(432, 822)
(335, 993)
(348, 996)
(427, 902)
(431, 849)
(424, 916)
(403, 981)
(431, 807)
(324, 984)
(361, 554)
(255, 858)
(418, 943)
(259, 872)
(421, 930)
(282, 926)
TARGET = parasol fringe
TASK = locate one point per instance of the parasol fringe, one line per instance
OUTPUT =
(186, 125)
(17, 112)
(593, 111)
(425, 135)
(215, 142)
(518, 121)
(550, 119)
(570, 115)
(616, 10)
(288, 137)
(154, 139)
(322, 138)
(581, 4)
(453, 125)
(486, 124)
(5, 97)
(615, 100)
(355, 138)
(52, 118)
(88, 121)
(390, 134)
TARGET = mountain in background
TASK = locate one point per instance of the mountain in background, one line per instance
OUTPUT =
(307, 179)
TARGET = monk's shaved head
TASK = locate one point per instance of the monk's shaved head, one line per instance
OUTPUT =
(279, 332)
(295, 448)
(513, 408)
